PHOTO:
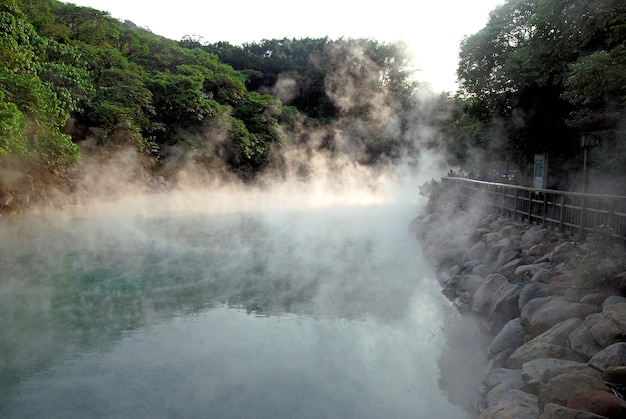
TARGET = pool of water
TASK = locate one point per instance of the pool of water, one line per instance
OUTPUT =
(323, 312)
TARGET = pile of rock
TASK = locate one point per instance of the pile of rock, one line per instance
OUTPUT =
(559, 340)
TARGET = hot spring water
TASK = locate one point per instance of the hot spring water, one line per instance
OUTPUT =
(316, 313)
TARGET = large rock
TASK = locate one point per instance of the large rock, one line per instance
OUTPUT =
(530, 292)
(613, 299)
(611, 326)
(481, 300)
(582, 341)
(476, 252)
(534, 235)
(499, 382)
(562, 387)
(599, 402)
(611, 356)
(511, 336)
(508, 269)
(528, 271)
(556, 411)
(504, 305)
(561, 282)
(542, 276)
(540, 317)
(538, 372)
(469, 283)
(615, 377)
(562, 252)
(550, 344)
(514, 405)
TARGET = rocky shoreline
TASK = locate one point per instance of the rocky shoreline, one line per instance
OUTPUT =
(554, 310)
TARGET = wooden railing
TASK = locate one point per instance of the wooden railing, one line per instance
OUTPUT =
(572, 213)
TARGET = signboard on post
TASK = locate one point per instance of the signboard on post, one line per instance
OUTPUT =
(540, 180)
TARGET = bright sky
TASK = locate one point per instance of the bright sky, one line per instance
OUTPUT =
(433, 29)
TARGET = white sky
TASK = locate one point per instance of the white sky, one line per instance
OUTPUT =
(432, 28)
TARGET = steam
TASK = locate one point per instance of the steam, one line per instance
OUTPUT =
(317, 233)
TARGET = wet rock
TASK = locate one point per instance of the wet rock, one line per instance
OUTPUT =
(556, 411)
(509, 231)
(481, 300)
(498, 383)
(615, 377)
(508, 269)
(559, 283)
(539, 316)
(534, 235)
(550, 344)
(596, 298)
(576, 294)
(476, 252)
(511, 336)
(599, 402)
(582, 341)
(539, 372)
(539, 250)
(528, 271)
(611, 325)
(542, 276)
(504, 305)
(611, 356)
(530, 292)
(562, 387)
(469, 283)
(561, 252)
(514, 405)
(613, 299)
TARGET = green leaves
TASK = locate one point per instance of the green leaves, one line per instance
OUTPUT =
(31, 114)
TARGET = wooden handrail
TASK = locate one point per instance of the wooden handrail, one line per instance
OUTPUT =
(573, 213)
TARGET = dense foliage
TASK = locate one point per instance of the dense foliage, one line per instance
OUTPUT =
(116, 83)
(541, 73)
(76, 82)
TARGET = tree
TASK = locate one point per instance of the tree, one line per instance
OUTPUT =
(529, 71)
(31, 115)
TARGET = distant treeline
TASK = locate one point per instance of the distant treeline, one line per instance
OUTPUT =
(74, 80)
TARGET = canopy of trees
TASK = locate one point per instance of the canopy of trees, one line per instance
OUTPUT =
(75, 73)
(540, 74)
(75, 81)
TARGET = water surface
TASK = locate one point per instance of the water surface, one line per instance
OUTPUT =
(321, 312)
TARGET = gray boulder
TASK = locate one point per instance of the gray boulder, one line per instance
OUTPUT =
(530, 292)
(534, 235)
(499, 382)
(556, 411)
(562, 387)
(538, 372)
(511, 336)
(481, 300)
(540, 317)
(550, 344)
(611, 325)
(582, 341)
(514, 405)
(611, 356)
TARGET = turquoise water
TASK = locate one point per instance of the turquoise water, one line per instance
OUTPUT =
(318, 313)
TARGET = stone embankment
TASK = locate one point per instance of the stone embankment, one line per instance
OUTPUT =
(558, 338)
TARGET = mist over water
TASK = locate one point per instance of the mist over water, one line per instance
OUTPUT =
(222, 304)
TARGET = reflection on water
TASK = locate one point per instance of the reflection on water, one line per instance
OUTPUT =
(321, 313)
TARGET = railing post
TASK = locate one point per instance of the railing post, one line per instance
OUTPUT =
(545, 208)
(562, 213)
(530, 205)
(581, 227)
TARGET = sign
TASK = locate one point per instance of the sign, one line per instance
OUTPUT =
(540, 180)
